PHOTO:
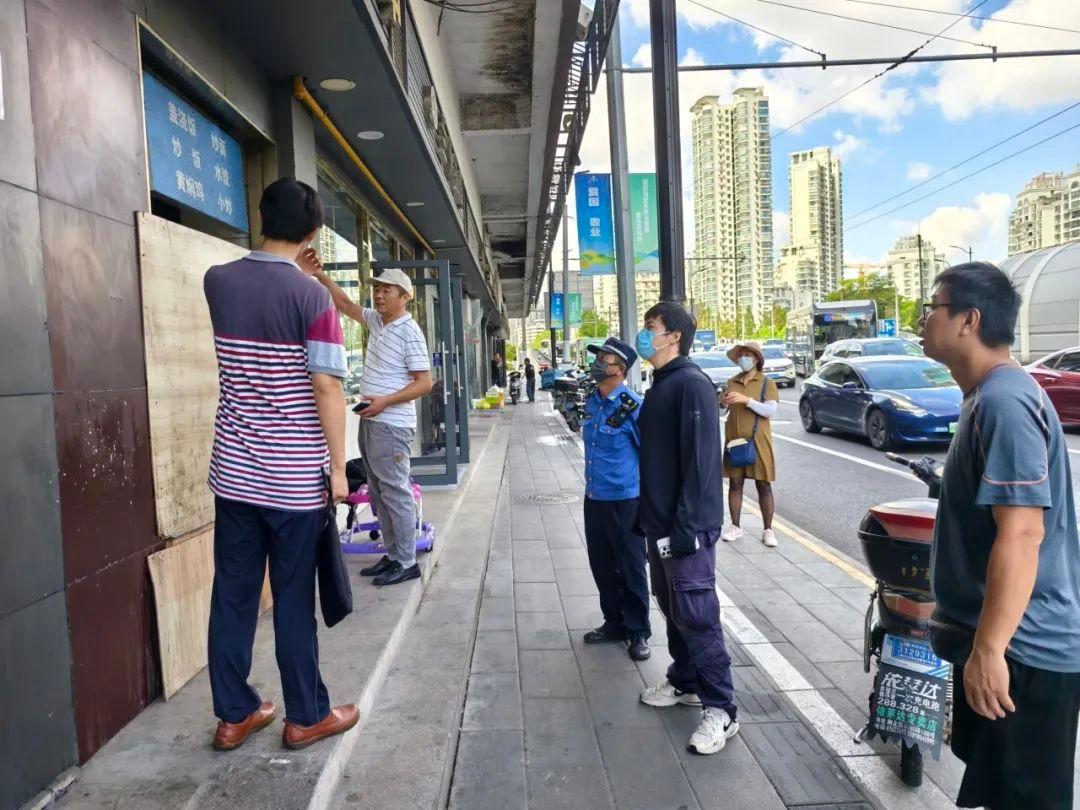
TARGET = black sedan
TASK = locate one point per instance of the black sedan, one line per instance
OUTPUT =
(890, 400)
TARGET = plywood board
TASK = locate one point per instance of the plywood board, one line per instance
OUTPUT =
(181, 368)
(183, 578)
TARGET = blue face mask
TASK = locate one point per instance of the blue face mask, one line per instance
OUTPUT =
(644, 344)
(746, 363)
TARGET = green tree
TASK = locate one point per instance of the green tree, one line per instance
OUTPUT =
(882, 291)
(592, 326)
(537, 342)
(511, 353)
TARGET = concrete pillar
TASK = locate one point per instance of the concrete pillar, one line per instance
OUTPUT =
(294, 132)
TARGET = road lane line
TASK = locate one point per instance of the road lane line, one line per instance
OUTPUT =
(847, 457)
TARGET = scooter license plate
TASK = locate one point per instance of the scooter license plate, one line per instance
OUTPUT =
(913, 654)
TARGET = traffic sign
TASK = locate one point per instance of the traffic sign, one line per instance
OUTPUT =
(887, 327)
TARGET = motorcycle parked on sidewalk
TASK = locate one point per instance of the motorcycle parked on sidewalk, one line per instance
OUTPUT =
(575, 413)
(515, 386)
(911, 700)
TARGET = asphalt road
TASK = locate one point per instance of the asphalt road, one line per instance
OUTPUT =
(826, 482)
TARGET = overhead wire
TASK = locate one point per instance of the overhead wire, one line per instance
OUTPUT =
(876, 76)
(965, 177)
(963, 162)
(969, 16)
(879, 24)
(756, 27)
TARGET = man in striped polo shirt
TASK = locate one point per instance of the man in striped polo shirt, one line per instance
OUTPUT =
(397, 371)
(280, 421)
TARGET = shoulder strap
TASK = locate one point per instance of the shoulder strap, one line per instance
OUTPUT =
(764, 385)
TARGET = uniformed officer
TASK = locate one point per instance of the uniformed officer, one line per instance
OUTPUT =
(616, 552)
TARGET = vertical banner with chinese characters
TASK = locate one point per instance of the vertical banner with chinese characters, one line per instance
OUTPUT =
(643, 219)
(557, 310)
(596, 240)
(192, 161)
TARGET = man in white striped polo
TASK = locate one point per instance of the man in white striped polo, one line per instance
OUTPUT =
(397, 371)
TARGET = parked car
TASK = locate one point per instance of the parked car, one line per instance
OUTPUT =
(778, 366)
(716, 365)
(870, 347)
(890, 400)
(1059, 375)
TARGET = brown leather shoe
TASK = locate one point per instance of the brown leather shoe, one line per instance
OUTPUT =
(340, 719)
(233, 735)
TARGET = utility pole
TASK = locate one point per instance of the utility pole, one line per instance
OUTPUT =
(665, 86)
(551, 312)
(620, 199)
(565, 285)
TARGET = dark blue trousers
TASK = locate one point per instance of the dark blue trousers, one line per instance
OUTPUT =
(617, 560)
(685, 588)
(244, 537)
(530, 388)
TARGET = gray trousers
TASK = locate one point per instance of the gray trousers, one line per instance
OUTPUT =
(385, 451)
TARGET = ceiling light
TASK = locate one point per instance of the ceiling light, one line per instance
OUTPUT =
(438, 241)
(369, 135)
(414, 204)
(337, 85)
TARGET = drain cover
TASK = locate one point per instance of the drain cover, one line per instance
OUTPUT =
(547, 498)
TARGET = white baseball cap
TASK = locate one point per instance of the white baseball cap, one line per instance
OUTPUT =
(395, 276)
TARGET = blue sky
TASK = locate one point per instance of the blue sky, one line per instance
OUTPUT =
(915, 121)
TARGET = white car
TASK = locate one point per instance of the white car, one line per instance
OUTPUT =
(778, 366)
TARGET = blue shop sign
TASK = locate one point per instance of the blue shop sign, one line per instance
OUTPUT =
(192, 161)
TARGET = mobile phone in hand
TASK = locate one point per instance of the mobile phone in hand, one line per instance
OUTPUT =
(360, 406)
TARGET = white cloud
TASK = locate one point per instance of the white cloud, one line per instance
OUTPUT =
(692, 57)
(642, 56)
(983, 225)
(847, 144)
(917, 171)
(781, 228)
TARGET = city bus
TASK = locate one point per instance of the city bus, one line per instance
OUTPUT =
(811, 328)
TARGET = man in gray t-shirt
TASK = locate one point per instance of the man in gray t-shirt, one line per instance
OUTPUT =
(1006, 559)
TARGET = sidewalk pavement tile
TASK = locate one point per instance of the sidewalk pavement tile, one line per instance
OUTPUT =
(803, 771)
(794, 551)
(582, 612)
(490, 772)
(746, 576)
(565, 540)
(763, 625)
(817, 642)
(724, 781)
(614, 700)
(749, 679)
(644, 770)
(805, 591)
(563, 762)
(603, 658)
(527, 531)
(576, 582)
(842, 619)
(738, 655)
(573, 558)
(534, 570)
(855, 715)
(530, 551)
(777, 605)
(763, 707)
(536, 597)
(542, 631)
(375, 769)
(495, 651)
(858, 598)
(550, 674)
(493, 702)
(849, 678)
(496, 613)
(413, 698)
(522, 514)
(499, 583)
(775, 565)
(828, 574)
(798, 659)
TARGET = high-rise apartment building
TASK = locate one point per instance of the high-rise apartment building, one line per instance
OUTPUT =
(812, 264)
(733, 238)
(903, 262)
(606, 298)
(1047, 212)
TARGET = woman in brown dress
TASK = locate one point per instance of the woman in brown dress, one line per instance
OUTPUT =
(750, 396)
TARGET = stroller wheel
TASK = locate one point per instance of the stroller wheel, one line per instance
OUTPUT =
(374, 534)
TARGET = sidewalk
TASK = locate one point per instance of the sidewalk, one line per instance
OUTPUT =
(552, 723)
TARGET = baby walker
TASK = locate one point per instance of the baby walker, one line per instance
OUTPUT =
(353, 539)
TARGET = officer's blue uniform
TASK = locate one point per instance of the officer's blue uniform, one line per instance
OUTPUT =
(612, 487)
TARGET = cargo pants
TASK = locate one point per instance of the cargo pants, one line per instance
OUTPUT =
(685, 588)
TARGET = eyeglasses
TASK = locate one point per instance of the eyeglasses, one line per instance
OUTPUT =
(928, 309)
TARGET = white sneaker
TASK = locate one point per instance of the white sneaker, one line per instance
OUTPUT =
(769, 539)
(730, 534)
(712, 734)
(664, 694)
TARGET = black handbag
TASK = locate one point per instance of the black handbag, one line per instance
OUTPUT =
(335, 590)
(951, 640)
(744, 454)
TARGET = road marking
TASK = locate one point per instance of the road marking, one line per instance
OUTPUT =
(846, 456)
(875, 775)
(822, 551)
(1074, 452)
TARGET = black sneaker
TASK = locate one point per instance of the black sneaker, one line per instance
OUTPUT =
(638, 648)
(397, 574)
(604, 635)
(378, 568)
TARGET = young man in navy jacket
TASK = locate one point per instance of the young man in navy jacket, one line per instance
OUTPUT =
(681, 513)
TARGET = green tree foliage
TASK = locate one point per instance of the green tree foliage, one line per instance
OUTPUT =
(592, 326)
(879, 288)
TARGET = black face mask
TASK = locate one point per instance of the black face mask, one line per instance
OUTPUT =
(599, 371)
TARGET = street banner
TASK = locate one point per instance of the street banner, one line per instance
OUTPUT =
(557, 310)
(596, 239)
(644, 219)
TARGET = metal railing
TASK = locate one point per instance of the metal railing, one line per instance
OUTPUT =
(584, 74)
